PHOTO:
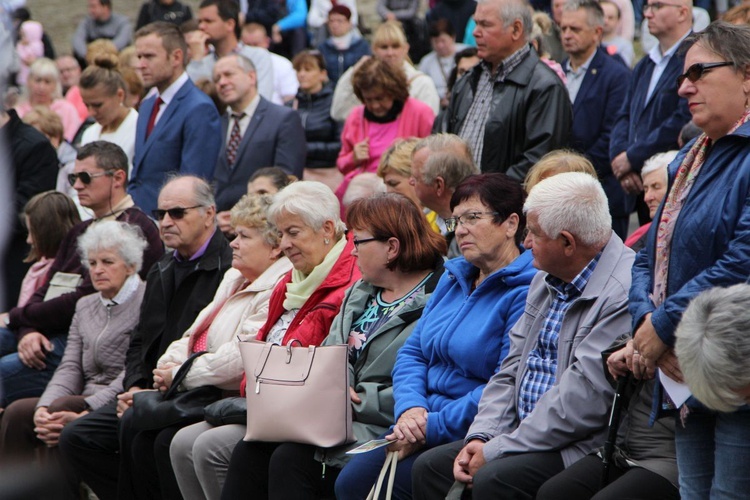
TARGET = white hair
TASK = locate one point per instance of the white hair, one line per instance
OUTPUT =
(713, 346)
(312, 201)
(658, 161)
(573, 202)
(124, 239)
(363, 186)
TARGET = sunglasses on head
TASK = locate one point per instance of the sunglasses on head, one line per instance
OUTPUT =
(175, 213)
(696, 71)
(86, 177)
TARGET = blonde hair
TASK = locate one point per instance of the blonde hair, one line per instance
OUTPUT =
(397, 158)
(46, 121)
(391, 32)
(558, 162)
(252, 211)
(100, 47)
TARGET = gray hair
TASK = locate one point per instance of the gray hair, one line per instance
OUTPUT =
(510, 10)
(657, 162)
(312, 201)
(441, 143)
(713, 346)
(124, 239)
(46, 68)
(594, 11)
(730, 41)
(203, 193)
(452, 168)
(363, 186)
(574, 202)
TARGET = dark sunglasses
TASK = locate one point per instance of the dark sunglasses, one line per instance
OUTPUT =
(176, 213)
(696, 71)
(86, 177)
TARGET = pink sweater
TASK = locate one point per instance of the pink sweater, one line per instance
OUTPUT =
(64, 109)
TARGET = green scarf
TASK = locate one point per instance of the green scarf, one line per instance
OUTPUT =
(301, 286)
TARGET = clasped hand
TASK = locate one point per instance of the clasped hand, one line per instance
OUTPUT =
(409, 433)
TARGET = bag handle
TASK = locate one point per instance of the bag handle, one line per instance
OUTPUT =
(181, 374)
(391, 461)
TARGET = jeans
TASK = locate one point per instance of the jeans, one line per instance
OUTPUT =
(713, 455)
(18, 381)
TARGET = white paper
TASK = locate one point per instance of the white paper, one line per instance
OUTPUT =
(678, 392)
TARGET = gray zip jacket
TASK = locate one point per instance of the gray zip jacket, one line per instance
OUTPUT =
(572, 416)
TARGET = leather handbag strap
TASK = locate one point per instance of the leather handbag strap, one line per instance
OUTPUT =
(181, 374)
(391, 461)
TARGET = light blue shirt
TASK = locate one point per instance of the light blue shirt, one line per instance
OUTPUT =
(661, 61)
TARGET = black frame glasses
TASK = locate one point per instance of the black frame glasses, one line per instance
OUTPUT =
(357, 242)
(657, 6)
(86, 177)
(697, 70)
(469, 218)
(175, 213)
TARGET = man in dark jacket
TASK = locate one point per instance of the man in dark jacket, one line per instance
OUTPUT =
(34, 166)
(597, 84)
(511, 108)
(178, 287)
(345, 46)
(35, 335)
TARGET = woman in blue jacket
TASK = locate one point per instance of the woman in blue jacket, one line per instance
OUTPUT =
(700, 239)
(462, 337)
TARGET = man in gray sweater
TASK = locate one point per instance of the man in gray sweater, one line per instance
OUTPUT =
(101, 22)
(547, 406)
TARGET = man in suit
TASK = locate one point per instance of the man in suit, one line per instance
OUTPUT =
(255, 134)
(597, 84)
(178, 127)
(652, 114)
(178, 287)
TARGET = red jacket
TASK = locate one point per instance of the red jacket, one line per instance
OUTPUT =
(313, 321)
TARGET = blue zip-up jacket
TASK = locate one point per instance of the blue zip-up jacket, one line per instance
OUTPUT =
(711, 240)
(458, 345)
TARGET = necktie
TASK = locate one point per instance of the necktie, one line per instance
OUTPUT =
(152, 118)
(234, 138)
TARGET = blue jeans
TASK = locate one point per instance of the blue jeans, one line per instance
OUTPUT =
(359, 475)
(713, 455)
(18, 381)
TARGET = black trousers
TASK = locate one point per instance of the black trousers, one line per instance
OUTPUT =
(511, 477)
(582, 480)
(277, 471)
(90, 446)
(117, 461)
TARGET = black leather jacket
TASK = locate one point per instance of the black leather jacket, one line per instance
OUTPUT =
(531, 115)
(323, 134)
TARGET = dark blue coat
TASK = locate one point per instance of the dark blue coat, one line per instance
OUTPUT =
(644, 128)
(186, 139)
(274, 138)
(599, 99)
(338, 61)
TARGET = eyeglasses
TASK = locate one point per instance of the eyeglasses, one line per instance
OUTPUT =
(696, 71)
(657, 6)
(86, 177)
(175, 213)
(468, 219)
(357, 242)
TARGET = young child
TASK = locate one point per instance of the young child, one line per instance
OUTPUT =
(29, 47)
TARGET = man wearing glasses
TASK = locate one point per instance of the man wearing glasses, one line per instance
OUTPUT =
(178, 287)
(41, 326)
(652, 114)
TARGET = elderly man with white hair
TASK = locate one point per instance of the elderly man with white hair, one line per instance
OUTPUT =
(547, 406)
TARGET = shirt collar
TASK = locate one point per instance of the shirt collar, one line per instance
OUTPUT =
(250, 109)
(575, 287)
(508, 64)
(582, 68)
(197, 255)
(655, 53)
(172, 90)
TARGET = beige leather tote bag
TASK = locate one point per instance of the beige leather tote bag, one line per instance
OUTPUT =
(297, 394)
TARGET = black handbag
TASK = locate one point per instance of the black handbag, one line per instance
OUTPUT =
(227, 411)
(154, 410)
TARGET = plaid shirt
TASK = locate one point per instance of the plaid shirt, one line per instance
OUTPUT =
(473, 129)
(541, 368)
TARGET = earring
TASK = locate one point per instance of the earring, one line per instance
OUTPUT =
(326, 241)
